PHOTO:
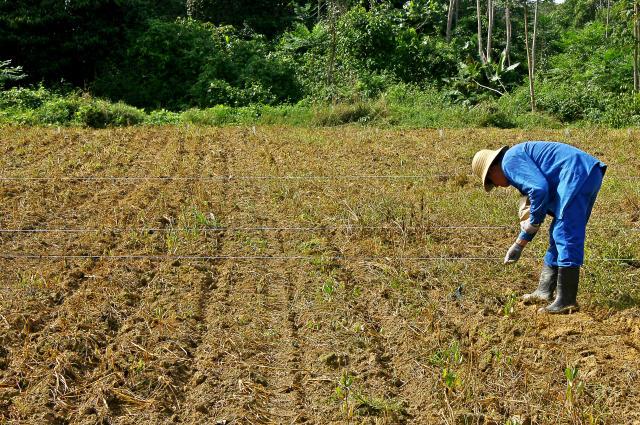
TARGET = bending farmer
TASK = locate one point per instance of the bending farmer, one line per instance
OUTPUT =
(555, 179)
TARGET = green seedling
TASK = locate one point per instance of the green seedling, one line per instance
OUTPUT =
(574, 389)
(314, 326)
(449, 356)
(199, 217)
(449, 378)
(329, 288)
(31, 281)
(137, 365)
(343, 392)
(203, 220)
(159, 312)
(171, 239)
(511, 302)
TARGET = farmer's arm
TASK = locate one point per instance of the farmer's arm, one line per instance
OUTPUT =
(524, 174)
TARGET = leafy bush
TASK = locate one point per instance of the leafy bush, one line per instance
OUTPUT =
(58, 110)
(42, 106)
(412, 95)
(367, 38)
(189, 63)
(218, 115)
(163, 117)
(623, 110)
(100, 114)
(373, 52)
(568, 102)
(9, 73)
(590, 59)
(159, 66)
(287, 115)
(24, 98)
(418, 58)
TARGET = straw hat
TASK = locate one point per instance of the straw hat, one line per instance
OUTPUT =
(482, 161)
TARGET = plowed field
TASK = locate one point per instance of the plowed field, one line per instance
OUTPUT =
(215, 297)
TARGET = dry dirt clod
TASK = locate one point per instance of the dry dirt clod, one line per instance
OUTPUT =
(335, 360)
(199, 378)
(202, 408)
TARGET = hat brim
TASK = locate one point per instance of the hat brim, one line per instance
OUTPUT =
(488, 185)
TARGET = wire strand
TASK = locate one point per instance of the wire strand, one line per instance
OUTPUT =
(301, 228)
(232, 177)
(232, 257)
(236, 229)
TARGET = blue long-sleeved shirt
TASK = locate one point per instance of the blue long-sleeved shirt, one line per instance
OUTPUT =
(550, 173)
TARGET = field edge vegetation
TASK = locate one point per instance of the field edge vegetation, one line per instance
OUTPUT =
(402, 106)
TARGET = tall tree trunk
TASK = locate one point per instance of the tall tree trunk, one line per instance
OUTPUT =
(331, 10)
(533, 44)
(636, 38)
(480, 50)
(192, 9)
(526, 37)
(507, 48)
(489, 28)
(606, 31)
(452, 4)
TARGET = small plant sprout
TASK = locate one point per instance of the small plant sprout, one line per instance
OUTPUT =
(509, 307)
(449, 356)
(574, 389)
(31, 280)
(450, 378)
(343, 391)
(329, 288)
(171, 240)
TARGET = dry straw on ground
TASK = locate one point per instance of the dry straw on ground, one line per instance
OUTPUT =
(150, 341)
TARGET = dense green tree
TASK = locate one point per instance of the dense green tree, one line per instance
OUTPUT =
(268, 17)
(181, 53)
(71, 39)
(577, 13)
(188, 63)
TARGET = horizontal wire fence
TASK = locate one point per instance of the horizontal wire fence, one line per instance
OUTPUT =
(275, 257)
(255, 177)
(231, 177)
(327, 258)
(398, 228)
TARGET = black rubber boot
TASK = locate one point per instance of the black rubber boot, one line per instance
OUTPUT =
(546, 286)
(568, 278)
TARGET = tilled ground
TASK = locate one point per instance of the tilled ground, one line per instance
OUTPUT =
(171, 307)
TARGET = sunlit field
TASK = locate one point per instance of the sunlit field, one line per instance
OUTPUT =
(271, 275)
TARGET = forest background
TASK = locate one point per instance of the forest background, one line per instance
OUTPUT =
(421, 63)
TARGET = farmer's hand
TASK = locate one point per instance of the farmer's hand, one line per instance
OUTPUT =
(529, 228)
(514, 253)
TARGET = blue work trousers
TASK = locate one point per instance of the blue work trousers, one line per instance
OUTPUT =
(566, 235)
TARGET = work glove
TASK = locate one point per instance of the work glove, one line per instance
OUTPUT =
(514, 253)
(528, 227)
